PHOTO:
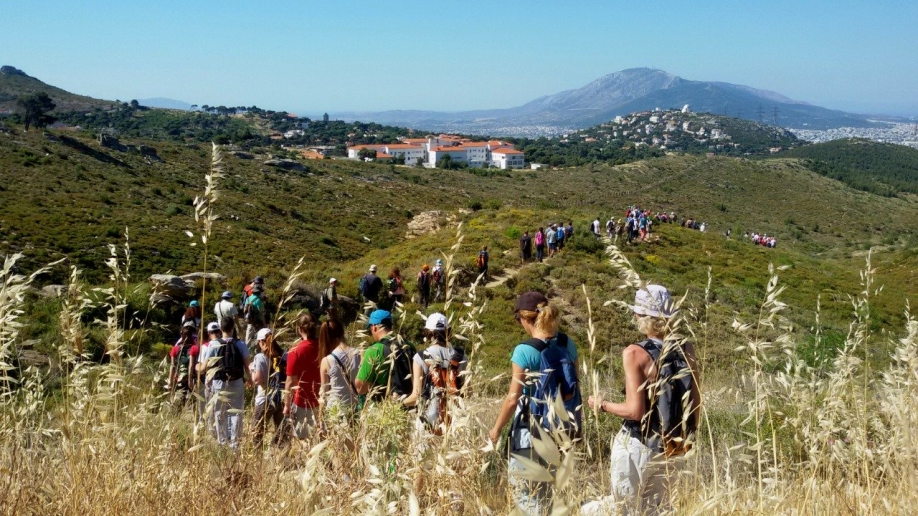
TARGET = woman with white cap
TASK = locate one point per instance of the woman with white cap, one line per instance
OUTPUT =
(639, 455)
(436, 373)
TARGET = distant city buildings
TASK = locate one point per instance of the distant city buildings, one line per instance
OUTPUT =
(898, 133)
(433, 149)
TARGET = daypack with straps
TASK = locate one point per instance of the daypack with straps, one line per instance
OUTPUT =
(556, 402)
(399, 354)
(437, 275)
(670, 421)
(230, 366)
(184, 362)
(482, 258)
(423, 281)
(251, 312)
(277, 378)
(441, 382)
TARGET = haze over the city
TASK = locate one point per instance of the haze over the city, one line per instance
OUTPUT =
(312, 57)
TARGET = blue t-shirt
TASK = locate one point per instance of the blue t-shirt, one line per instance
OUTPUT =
(529, 358)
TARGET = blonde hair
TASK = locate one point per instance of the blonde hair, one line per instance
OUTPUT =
(545, 319)
(652, 326)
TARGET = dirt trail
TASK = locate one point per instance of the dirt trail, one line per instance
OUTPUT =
(497, 281)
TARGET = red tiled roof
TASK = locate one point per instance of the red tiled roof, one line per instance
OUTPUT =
(504, 150)
(360, 147)
(448, 149)
(402, 146)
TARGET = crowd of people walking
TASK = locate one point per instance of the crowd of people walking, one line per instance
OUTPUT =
(323, 380)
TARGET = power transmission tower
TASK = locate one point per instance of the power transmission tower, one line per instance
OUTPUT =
(774, 115)
(761, 113)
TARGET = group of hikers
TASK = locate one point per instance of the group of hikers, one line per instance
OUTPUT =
(548, 240)
(762, 239)
(322, 380)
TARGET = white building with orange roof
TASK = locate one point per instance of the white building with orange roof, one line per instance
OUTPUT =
(494, 153)
(506, 157)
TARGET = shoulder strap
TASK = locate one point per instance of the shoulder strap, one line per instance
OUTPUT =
(538, 344)
(651, 348)
(347, 372)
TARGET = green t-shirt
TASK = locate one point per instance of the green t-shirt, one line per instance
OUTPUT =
(373, 366)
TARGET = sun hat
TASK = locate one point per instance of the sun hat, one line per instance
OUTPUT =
(213, 326)
(436, 321)
(530, 301)
(654, 301)
(439, 262)
(190, 323)
(379, 317)
(373, 268)
(226, 294)
(193, 303)
(331, 280)
(263, 334)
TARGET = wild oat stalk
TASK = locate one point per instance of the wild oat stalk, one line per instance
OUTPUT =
(204, 213)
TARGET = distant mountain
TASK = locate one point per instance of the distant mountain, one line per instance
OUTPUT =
(621, 93)
(15, 82)
(164, 103)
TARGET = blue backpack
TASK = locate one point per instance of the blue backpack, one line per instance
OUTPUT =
(557, 374)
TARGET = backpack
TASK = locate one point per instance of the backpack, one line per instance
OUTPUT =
(557, 377)
(441, 383)
(423, 281)
(252, 314)
(277, 378)
(481, 259)
(362, 286)
(400, 382)
(668, 425)
(184, 359)
(230, 367)
(438, 276)
(246, 292)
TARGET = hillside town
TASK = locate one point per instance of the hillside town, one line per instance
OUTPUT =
(673, 130)
(433, 150)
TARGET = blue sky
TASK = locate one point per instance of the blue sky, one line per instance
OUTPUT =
(308, 56)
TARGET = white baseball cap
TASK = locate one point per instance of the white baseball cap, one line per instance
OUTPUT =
(263, 334)
(654, 301)
(436, 321)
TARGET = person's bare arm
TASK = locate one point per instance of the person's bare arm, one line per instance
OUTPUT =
(635, 362)
(518, 379)
(417, 384)
(293, 381)
(325, 377)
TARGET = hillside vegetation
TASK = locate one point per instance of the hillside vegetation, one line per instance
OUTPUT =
(14, 83)
(804, 412)
(880, 168)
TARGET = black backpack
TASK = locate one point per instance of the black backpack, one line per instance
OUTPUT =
(670, 423)
(277, 378)
(423, 281)
(230, 367)
(399, 354)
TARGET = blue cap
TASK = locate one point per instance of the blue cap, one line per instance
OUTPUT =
(193, 303)
(227, 294)
(380, 317)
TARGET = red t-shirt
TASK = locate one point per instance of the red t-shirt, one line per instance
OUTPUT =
(303, 361)
(193, 351)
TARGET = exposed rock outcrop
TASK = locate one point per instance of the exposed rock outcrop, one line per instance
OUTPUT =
(286, 164)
